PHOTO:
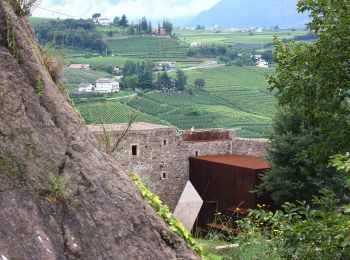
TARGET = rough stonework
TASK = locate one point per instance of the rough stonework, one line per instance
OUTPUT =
(61, 197)
(250, 146)
(162, 156)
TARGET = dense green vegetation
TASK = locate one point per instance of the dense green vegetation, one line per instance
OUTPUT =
(69, 33)
(310, 148)
(146, 47)
(228, 99)
(312, 87)
(236, 38)
(231, 96)
(111, 112)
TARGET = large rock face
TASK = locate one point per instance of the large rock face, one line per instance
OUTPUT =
(98, 214)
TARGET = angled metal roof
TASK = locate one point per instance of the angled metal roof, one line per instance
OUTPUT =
(248, 162)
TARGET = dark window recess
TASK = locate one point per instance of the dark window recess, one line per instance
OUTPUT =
(163, 175)
(164, 142)
(134, 149)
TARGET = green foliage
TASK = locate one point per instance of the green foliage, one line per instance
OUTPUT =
(180, 80)
(142, 70)
(11, 40)
(199, 83)
(146, 47)
(193, 111)
(131, 81)
(22, 7)
(168, 26)
(312, 83)
(123, 21)
(57, 183)
(301, 231)
(53, 62)
(314, 77)
(342, 164)
(39, 86)
(10, 169)
(111, 112)
(70, 33)
(294, 176)
(164, 82)
(175, 225)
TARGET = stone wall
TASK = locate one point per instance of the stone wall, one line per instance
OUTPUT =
(162, 157)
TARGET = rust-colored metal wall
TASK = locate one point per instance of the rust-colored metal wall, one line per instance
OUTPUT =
(225, 185)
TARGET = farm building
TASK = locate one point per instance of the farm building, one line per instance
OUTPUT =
(262, 63)
(165, 65)
(104, 21)
(225, 183)
(80, 66)
(106, 85)
(196, 44)
(86, 87)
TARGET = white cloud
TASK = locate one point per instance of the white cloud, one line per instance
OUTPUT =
(134, 9)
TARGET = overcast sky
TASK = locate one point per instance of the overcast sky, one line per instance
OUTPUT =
(134, 9)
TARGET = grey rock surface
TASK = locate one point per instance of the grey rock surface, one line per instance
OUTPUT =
(99, 213)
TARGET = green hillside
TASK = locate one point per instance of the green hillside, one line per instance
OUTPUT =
(232, 98)
(148, 47)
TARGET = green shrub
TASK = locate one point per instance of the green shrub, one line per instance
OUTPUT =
(54, 64)
(39, 86)
(193, 111)
(301, 231)
(22, 7)
(175, 225)
(57, 183)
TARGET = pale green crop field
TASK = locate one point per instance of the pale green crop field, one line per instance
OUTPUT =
(230, 37)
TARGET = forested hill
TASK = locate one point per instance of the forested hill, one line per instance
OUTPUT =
(69, 33)
(267, 13)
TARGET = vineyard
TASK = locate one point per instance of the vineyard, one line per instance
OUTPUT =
(146, 47)
(111, 112)
(233, 97)
(230, 37)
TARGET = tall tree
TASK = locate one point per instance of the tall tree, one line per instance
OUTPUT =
(181, 80)
(96, 16)
(312, 82)
(144, 25)
(168, 26)
(123, 21)
(116, 21)
(150, 28)
(164, 82)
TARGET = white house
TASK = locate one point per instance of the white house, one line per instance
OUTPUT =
(86, 87)
(166, 65)
(104, 21)
(80, 66)
(196, 44)
(262, 63)
(105, 85)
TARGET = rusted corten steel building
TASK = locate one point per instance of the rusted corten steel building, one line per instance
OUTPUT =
(225, 183)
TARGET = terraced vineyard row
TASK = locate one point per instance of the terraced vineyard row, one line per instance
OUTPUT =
(232, 98)
(111, 112)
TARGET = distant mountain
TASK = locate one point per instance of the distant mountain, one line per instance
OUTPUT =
(246, 13)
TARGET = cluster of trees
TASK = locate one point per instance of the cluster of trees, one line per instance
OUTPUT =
(166, 83)
(228, 54)
(70, 33)
(143, 27)
(312, 86)
(140, 75)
